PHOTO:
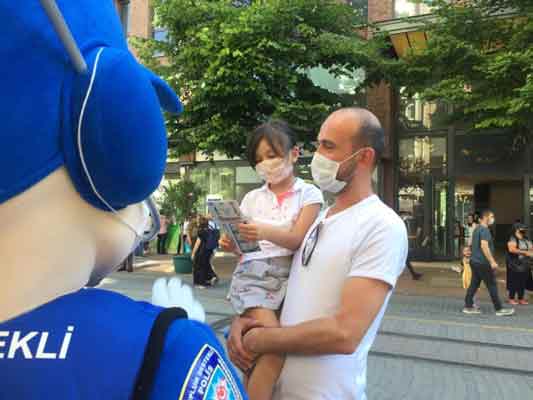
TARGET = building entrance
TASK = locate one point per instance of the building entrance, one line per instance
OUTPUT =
(504, 197)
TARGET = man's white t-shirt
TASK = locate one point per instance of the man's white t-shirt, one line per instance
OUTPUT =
(366, 240)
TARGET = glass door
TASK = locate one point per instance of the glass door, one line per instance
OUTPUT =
(440, 246)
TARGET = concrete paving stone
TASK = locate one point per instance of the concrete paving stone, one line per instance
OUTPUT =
(395, 376)
(397, 379)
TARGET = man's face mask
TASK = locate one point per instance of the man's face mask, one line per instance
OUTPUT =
(325, 171)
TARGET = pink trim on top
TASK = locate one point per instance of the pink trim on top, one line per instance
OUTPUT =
(284, 196)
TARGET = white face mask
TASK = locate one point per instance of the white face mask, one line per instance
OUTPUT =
(274, 170)
(325, 171)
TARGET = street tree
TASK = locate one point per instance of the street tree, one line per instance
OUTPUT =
(239, 63)
(479, 60)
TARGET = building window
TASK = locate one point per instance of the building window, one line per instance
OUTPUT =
(215, 181)
(407, 8)
(422, 155)
(417, 114)
(361, 6)
(241, 3)
(160, 35)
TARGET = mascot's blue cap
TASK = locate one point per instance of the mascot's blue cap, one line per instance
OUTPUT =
(105, 126)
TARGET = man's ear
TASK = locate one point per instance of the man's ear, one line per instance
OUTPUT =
(369, 157)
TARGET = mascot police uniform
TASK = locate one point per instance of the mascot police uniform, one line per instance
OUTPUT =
(82, 147)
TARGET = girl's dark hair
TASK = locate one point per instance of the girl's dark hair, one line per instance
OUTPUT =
(278, 135)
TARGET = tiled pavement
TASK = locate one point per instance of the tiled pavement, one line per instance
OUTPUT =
(427, 349)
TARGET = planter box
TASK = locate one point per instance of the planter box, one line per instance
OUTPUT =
(183, 264)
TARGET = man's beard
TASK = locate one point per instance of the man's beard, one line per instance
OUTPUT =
(348, 178)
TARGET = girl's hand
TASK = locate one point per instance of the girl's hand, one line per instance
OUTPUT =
(251, 232)
(226, 244)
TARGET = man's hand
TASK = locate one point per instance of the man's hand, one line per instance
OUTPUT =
(252, 340)
(237, 352)
(251, 232)
(494, 265)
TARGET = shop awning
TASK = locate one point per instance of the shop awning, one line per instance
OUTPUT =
(406, 34)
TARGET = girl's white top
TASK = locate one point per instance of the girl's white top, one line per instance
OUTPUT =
(263, 206)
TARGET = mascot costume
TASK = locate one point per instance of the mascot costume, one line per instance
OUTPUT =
(82, 147)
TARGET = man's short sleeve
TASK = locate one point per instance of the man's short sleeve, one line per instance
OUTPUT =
(382, 255)
(194, 366)
(311, 195)
(484, 234)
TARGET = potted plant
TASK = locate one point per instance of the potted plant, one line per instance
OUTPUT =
(178, 202)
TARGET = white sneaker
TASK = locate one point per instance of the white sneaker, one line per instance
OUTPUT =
(471, 310)
(505, 312)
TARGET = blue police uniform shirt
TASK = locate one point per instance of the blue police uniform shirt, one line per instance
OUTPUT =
(90, 345)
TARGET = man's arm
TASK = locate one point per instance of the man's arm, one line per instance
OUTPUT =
(361, 301)
(486, 252)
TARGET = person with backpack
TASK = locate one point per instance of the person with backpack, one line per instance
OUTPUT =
(204, 247)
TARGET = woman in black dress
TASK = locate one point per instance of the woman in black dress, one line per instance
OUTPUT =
(203, 274)
(519, 257)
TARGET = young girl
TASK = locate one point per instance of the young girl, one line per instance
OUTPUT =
(278, 216)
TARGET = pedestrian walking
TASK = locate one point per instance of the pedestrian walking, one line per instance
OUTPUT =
(162, 236)
(185, 237)
(203, 274)
(471, 223)
(414, 275)
(519, 258)
(192, 231)
(484, 267)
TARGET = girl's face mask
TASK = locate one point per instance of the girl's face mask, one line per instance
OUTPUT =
(274, 170)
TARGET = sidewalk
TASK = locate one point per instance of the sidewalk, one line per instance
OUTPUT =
(438, 277)
(425, 346)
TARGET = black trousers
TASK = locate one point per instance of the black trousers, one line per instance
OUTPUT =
(202, 269)
(162, 243)
(482, 273)
(520, 292)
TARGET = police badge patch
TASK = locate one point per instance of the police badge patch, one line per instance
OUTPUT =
(209, 378)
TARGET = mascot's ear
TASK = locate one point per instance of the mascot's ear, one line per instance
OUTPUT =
(115, 143)
(167, 98)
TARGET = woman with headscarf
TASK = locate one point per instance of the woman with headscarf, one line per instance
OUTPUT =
(203, 273)
(519, 258)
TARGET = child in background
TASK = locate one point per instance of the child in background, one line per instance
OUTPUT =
(279, 215)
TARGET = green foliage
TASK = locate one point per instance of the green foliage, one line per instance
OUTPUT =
(180, 199)
(237, 66)
(479, 58)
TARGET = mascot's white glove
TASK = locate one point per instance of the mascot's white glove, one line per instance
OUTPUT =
(173, 293)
